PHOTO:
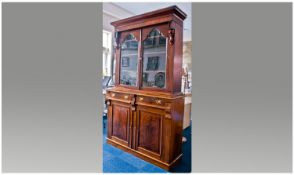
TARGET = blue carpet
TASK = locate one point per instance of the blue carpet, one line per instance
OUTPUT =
(118, 161)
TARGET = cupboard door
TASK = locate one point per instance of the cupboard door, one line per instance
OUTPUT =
(128, 55)
(121, 123)
(154, 51)
(149, 128)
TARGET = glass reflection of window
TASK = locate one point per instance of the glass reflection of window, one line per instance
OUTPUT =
(128, 59)
(107, 51)
(154, 60)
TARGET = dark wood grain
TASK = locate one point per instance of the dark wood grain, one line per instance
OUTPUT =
(150, 131)
(120, 122)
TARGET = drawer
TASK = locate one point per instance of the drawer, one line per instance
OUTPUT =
(119, 96)
(151, 100)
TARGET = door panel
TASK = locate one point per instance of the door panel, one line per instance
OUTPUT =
(120, 122)
(149, 132)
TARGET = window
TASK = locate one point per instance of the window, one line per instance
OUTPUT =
(107, 52)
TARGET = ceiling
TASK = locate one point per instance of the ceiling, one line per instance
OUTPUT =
(119, 10)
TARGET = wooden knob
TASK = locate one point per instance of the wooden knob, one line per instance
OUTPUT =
(126, 97)
(158, 101)
(141, 98)
(113, 94)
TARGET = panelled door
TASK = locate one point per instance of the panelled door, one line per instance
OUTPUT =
(119, 122)
(149, 131)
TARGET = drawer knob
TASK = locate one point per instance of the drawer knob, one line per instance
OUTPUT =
(158, 101)
(113, 94)
(126, 97)
(141, 98)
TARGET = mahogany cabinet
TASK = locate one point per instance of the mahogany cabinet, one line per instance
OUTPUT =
(146, 106)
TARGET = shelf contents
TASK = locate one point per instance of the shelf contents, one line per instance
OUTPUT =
(129, 57)
(154, 60)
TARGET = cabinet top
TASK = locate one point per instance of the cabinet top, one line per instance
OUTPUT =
(168, 11)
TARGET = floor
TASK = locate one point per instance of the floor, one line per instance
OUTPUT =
(118, 161)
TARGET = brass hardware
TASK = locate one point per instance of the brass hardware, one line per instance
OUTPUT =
(141, 98)
(126, 97)
(158, 101)
(168, 116)
(113, 94)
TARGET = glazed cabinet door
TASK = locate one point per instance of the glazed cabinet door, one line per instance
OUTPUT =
(128, 58)
(155, 54)
(119, 116)
(149, 131)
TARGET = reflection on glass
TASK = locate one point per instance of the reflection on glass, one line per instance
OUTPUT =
(154, 60)
(129, 57)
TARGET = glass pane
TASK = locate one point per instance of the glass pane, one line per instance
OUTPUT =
(154, 60)
(129, 58)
